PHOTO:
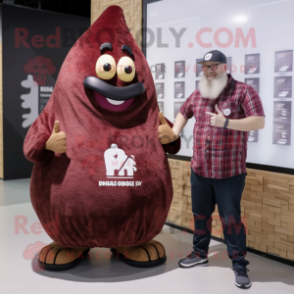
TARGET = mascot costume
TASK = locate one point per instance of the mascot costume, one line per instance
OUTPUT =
(101, 177)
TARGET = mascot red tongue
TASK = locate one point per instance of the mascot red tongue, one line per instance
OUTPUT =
(113, 186)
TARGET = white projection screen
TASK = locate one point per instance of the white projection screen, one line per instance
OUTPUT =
(255, 35)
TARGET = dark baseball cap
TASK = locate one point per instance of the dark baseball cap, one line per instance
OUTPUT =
(215, 56)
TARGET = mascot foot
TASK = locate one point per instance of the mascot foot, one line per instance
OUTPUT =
(148, 254)
(55, 257)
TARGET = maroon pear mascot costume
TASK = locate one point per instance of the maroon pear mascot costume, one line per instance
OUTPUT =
(101, 177)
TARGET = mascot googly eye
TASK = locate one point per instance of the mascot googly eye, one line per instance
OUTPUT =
(105, 67)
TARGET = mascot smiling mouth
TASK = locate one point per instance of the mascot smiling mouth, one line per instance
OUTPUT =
(112, 97)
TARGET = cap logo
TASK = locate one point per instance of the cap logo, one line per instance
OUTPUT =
(208, 56)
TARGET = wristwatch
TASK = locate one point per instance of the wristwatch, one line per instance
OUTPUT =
(226, 123)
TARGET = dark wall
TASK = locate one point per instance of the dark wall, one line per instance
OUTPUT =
(74, 7)
(35, 43)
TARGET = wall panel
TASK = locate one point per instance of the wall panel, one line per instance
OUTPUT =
(132, 11)
(267, 206)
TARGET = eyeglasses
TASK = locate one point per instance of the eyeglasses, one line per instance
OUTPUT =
(213, 67)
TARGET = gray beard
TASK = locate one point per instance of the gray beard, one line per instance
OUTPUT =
(212, 89)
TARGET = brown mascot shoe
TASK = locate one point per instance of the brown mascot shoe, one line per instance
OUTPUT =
(149, 254)
(55, 257)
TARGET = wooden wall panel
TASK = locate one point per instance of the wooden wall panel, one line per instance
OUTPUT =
(132, 11)
(267, 208)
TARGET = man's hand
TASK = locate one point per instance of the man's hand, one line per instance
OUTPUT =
(217, 120)
(165, 133)
(57, 140)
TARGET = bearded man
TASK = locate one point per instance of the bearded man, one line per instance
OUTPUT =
(225, 111)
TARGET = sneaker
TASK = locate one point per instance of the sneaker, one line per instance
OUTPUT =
(193, 259)
(241, 277)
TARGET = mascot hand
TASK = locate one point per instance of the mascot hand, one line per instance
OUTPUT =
(165, 133)
(57, 140)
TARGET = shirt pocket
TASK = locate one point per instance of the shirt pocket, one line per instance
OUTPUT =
(229, 109)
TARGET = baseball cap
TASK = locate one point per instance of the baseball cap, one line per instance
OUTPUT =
(215, 56)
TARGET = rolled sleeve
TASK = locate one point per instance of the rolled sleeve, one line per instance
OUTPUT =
(186, 109)
(252, 104)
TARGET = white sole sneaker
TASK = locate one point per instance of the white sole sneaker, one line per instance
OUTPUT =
(244, 286)
(199, 263)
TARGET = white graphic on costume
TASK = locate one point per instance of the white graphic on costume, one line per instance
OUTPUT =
(118, 164)
(30, 101)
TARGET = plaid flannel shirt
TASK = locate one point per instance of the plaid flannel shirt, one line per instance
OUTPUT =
(217, 152)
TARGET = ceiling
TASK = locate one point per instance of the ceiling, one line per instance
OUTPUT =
(74, 7)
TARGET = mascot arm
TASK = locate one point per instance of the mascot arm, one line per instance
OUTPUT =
(173, 147)
(38, 134)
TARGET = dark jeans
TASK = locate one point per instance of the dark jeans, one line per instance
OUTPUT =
(206, 192)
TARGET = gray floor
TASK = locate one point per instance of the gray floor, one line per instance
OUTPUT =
(14, 192)
(103, 272)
